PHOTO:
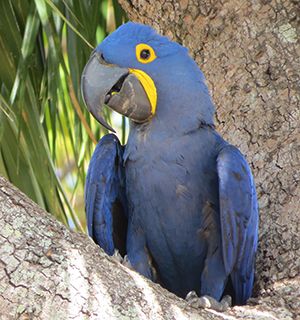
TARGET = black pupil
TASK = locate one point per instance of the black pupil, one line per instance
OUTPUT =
(145, 54)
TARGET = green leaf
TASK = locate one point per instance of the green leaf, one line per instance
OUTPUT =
(46, 133)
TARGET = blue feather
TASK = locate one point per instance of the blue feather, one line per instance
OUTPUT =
(103, 189)
(239, 220)
(190, 197)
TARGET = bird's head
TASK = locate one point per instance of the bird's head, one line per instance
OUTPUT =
(143, 75)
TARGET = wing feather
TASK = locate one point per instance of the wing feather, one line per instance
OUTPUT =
(105, 200)
(239, 220)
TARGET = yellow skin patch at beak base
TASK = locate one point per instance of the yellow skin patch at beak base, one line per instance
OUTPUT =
(148, 85)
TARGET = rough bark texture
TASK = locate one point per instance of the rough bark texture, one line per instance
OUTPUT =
(48, 272)
(249, 52)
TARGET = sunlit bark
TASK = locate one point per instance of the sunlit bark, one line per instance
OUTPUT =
(48, 272)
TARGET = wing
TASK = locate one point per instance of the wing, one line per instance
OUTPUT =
(105, 201)
(239, 220)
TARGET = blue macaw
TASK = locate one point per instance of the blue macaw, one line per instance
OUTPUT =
(178, 200)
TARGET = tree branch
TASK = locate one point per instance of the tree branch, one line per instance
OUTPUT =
(49, 272)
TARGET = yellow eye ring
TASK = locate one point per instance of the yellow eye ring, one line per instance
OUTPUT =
(145, 53)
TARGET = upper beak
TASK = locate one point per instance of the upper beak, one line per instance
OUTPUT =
(119, 88)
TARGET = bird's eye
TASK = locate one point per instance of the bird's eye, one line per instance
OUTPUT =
(145, 53)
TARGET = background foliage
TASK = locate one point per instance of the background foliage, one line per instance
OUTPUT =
(46, 134)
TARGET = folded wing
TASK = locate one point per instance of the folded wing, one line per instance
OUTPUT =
(105, 199)
(239, 220)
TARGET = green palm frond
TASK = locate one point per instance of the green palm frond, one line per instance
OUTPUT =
(46, 134)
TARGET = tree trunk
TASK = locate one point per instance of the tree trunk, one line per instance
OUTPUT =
(48, 272)
(249, 52)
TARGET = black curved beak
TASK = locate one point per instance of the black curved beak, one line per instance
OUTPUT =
(106, 84)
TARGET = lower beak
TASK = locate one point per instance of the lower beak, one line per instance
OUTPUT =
(119, 88)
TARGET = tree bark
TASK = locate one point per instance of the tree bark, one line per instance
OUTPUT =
(48, 272)
(249, 52)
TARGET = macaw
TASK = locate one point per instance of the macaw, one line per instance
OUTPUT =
(177, 199)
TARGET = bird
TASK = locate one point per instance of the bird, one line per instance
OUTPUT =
(177, 200)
